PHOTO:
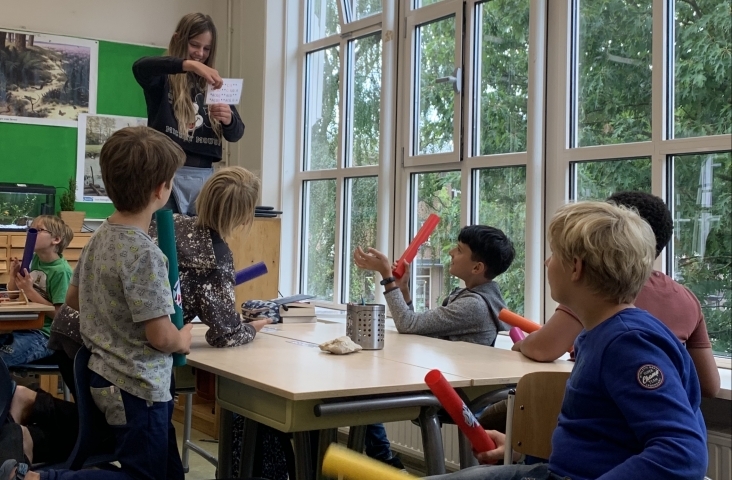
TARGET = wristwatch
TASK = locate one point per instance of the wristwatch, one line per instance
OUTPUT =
(387, 281)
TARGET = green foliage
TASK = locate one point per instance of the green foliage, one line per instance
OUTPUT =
(68, 198)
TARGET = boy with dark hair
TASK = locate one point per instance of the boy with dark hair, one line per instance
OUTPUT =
(632, 404)
(46, 283)
(120, 288)
(469, 314)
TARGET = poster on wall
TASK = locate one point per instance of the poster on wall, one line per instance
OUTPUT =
(93, 131)
(46, 79)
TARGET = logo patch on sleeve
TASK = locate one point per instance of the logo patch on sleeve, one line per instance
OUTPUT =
(650, 377)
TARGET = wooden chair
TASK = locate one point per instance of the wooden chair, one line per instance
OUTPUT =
(533, 413)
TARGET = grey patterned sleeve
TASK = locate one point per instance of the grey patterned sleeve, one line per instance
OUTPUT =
(146, 286)
(75, 276)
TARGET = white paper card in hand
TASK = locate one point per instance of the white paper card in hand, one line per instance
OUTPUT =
(229, 93)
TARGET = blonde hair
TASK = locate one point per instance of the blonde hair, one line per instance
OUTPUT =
(228, 200)
(57, 229)
(616, 246)
(190, 26)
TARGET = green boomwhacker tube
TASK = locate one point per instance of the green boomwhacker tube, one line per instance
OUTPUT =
(166, 242)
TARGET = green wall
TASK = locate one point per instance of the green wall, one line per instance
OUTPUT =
(47, 155)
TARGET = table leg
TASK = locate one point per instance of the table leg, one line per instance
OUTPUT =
(357, 438)
(226, 427)
(434, 454)
(303, 458)
(467, 459)
(326, 437)
(248, 444)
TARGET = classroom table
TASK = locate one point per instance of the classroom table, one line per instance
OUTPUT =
(23, 317)
(278, 382)
(283, 380)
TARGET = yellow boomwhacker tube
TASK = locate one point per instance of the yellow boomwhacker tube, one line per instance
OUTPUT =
(353, 466)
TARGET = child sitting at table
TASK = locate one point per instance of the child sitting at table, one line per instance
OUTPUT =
(45, 282)
(469, 315)
(632, 403)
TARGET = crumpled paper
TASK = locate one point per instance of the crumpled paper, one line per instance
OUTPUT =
(340, 346)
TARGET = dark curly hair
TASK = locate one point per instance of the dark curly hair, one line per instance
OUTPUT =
(490, 246)
(653, 210)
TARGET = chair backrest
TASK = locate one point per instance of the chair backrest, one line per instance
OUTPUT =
(95, 435)
(537, 404)
(6, 392)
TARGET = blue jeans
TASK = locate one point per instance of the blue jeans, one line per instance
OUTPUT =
(377, 444)
(142, 435)
(502, 472)
(23, 346)
(187, 184)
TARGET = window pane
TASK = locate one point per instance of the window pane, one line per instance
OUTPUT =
(613, 72)
(366, 101)
(364, 8)
(435, 102)
(322, 106)
(500, 200)
(599, 179)
(361, 232)
(502, 62)
(322, 19)
(703, 238)
(319, 238)
(424, 3)
(703, 70)
(436, 193)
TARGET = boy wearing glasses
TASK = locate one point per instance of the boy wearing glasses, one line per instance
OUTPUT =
(46, 283)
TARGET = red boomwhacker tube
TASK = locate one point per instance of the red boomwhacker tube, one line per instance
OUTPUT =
(423, 234)
(459, 412)
(516, 320)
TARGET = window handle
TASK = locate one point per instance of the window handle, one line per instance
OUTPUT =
(456, 79)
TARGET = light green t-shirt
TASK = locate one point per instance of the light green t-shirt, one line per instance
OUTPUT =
(123, 282)
(51, 280)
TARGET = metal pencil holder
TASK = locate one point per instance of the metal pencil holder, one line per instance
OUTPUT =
(365, 325)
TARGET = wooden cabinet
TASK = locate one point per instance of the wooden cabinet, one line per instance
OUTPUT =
(12, 244)
(260, 244)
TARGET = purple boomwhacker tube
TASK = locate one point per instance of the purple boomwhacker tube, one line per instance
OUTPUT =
(30, 246)
(249, 273)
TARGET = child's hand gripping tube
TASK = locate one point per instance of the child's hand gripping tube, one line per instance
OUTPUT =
(516, 334)
(459, 412)
(250, 273)
(30, 246)
(166, 242)
(422, 236)
(516, 320)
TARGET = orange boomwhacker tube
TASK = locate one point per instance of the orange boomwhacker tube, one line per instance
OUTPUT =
(516, 320)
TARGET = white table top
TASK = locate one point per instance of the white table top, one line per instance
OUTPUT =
(297, 370)
(483, 365)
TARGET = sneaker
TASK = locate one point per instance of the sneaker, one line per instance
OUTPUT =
(395, 462)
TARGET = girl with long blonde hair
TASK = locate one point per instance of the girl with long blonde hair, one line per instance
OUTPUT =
(175, 88)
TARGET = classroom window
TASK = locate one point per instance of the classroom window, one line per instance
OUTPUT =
(501, 66)
(702, 242)
(500, 201)
(363, 133)
(363, 8)
(322, 109)
(597, 180)
(319, 198)
(322, 19)
(702, 71)
(612, 68)
(438, 193)
(360, 285)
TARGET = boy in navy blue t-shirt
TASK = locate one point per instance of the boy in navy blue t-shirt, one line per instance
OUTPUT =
(631, 406)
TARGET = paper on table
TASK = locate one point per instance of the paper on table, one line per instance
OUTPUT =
(229, 93)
